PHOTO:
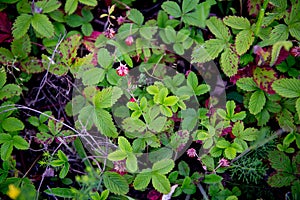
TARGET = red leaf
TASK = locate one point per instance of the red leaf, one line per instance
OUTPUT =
(244, 72)
(264, 77)
(5, 28)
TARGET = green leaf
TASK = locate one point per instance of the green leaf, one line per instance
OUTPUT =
(183, 168)
(247, 84)
(115, 183)
(163, 166)
(87, 29)
(190, 119)
(21, 47)
(294, 30)
(20, 143)
(92, 3)
(243, 41)
(172, 8)
(93, 76)
(257, 102)
(218, 28)
(279, 33)
(131, 163)
(104, 58)
(6, 150)
(188, 5)
(212, 179)
(298, 107)
(192, 80)
(11, 124)
(161, 183)
(64, 170)
(117, 155)
(157, 124)
(166, 111)
(104, 123)
(141, 181)
(107, 97)
(209, 51)
(230, 107)
(5, 137)
(152, 89)
(61, 192)
(136, 16)
(2, 77)
(71, 6)
(281, 179)
(42, 25)
(9, 91)
(21, 25)
(124, 145)
(250, 134)
(289, 88)
(134, 125)
(276, 50)
(48, 6)
(236, 22)
(222, 144)
(170, 101)
(230, 153)
(280, 161)
(62, 156)
(229, 62)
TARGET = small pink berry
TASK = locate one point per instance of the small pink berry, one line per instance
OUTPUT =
(191, 152)
(122, 70)
(129, 41)
(224, 163)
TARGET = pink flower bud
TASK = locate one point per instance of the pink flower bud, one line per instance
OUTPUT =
(129, 41)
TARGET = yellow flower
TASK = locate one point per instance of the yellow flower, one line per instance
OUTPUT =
(13, 192)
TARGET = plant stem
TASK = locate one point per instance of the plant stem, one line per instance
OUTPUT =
(260, 17)
(205, 197)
